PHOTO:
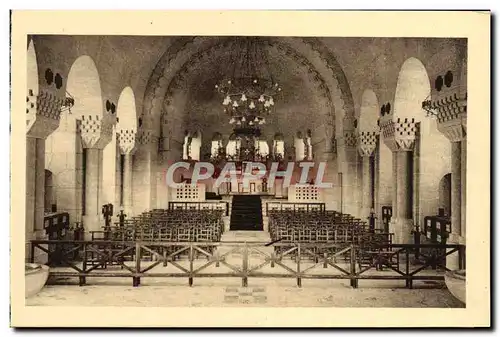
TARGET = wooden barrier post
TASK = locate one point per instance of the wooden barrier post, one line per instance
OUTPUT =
(354, 281)
(82, 279)
(416, 240)
(216, 257)
(409, 281)
(244, 280)
(299, 279)
(190, 280)
(136, 280)
(164, 253)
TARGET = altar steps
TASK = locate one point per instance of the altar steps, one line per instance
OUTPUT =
(246, 213)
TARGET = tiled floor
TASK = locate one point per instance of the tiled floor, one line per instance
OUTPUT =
(261, 293)
(248, 295)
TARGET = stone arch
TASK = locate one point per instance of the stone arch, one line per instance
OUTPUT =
(367, 131)
(431, 152)
(445, 194)
(413, 87)
(85, 86)
(126, 110)
(369, 128)
(122, 141)
(32, 88)
(64, 149)
(32, 70)
(369, 111)
(336, 81)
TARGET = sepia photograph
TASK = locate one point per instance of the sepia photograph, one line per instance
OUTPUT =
(193, 168)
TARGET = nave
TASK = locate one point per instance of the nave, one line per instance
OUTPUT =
(286, 165)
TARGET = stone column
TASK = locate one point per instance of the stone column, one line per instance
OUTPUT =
(165, 154)
(42, 118)
(96, 132)
(366, 187)
(127, 183)
(30, 184)
(329, 194)
(92, 211)
(367, 143)
(395, 184)
(456, 188)
(346, 155)
(400, 135)
(145, 170)
(450, 110)
(347, 165)
(127, 146)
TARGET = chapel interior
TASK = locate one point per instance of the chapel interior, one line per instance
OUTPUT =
(108, 115)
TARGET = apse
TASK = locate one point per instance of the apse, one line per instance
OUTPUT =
(197, 103)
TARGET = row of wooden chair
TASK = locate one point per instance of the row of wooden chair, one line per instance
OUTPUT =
(162, 226)
(336, 230)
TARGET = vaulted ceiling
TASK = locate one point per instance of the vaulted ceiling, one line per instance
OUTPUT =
(324, 79)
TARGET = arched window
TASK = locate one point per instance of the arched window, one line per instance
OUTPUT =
(300, 150)
(233, 146)
(308, 145)
(186, 146)
(216, 145)
(195, 146)
(279, 146)
(262, 146)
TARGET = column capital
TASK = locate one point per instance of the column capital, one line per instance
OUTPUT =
(348, 140)
(453, 130)
(43, 112)
(145, 138)
(399, 133)
(367, 142)
(450, 109)
(96, 131)
(127, 141)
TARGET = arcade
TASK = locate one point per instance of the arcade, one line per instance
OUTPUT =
(349, 153)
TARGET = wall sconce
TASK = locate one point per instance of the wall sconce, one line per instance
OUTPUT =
(69, 102)
(427, 106)
(442, 82)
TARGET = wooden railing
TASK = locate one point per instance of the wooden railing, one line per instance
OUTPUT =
(199, 205)
(295, 206)
(287, 260)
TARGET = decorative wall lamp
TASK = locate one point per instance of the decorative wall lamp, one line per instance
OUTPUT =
(427, 106)
(69, 102)
(447, 99)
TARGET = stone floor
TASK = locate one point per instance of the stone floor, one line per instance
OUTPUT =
(228, 291)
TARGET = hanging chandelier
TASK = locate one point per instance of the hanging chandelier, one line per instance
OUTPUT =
(249, 90)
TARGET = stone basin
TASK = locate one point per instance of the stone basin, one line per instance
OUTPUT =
(455, 282)
(36, 276)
